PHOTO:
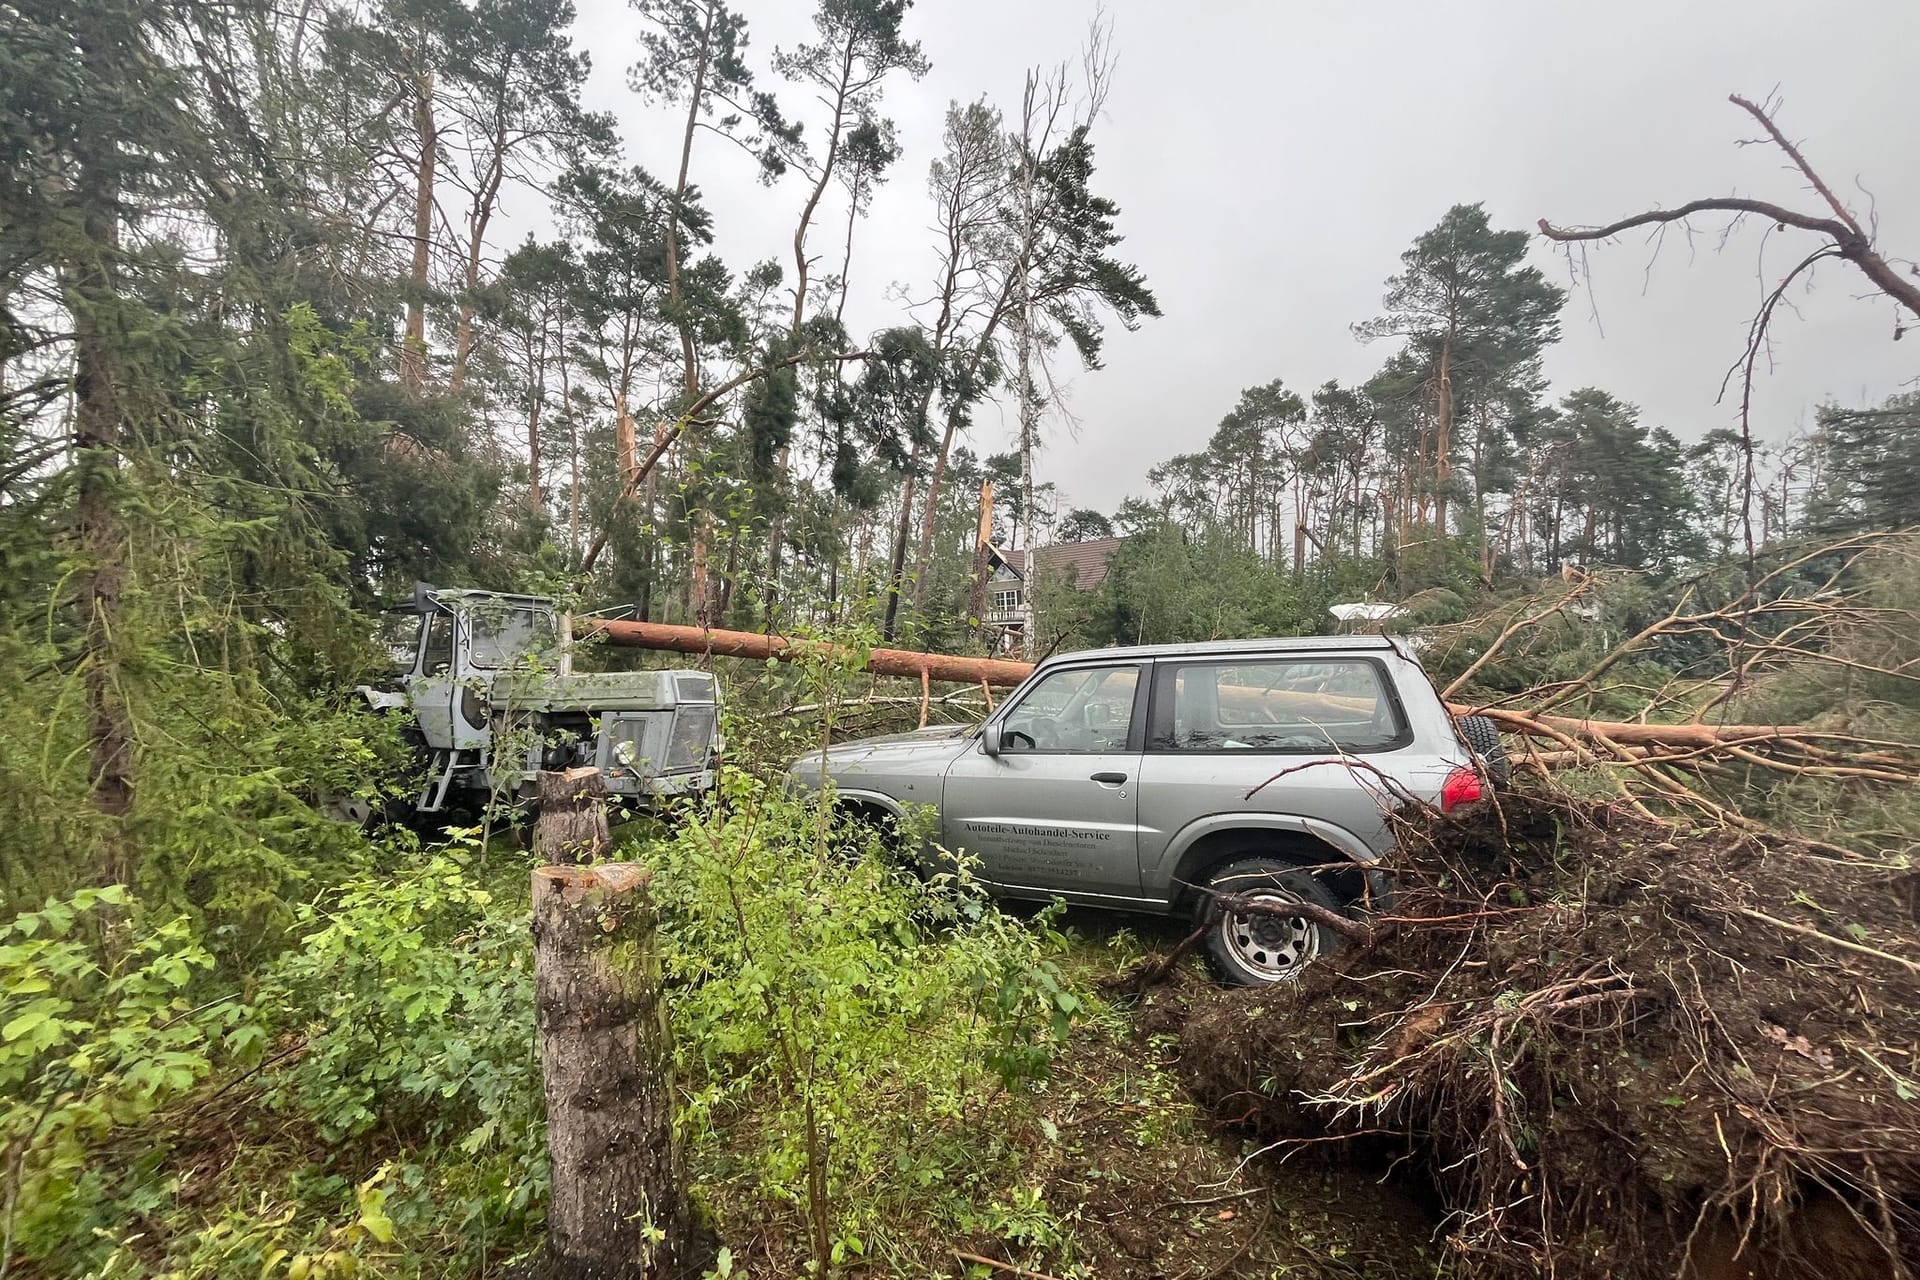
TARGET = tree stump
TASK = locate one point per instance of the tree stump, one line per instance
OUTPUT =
(618, 1209)
(572, 827)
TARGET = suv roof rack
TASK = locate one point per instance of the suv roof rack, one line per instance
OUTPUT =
(1265, 644)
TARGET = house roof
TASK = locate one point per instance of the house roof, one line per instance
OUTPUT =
(1082, 563)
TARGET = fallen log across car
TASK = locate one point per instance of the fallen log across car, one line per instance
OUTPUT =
(1787, 748)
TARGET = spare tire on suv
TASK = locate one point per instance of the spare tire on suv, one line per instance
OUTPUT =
(1483, 736)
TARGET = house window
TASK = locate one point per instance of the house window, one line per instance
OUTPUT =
(1006, 601)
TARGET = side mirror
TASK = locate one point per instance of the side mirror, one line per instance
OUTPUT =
(990, 738)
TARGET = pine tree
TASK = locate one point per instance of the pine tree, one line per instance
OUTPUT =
(1475, 321)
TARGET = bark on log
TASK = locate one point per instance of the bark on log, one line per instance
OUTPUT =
(618, 1207)
(1006, 673)
(752, 644)
(572, 827)
(1632, 734)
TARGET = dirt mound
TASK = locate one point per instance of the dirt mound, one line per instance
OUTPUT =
(1614, 1048)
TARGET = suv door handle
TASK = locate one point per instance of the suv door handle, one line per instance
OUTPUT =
(1110, 779)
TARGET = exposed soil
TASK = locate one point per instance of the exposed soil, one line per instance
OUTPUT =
(1149, 1189)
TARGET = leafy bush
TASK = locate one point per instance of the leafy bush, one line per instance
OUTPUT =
(98, 1032)
(854, 1041)
(414, 997)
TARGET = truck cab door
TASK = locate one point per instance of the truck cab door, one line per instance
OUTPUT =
(435, 690)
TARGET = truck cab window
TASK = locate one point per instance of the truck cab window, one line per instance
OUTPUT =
(400, 637)
(439, 655)
(502, 637)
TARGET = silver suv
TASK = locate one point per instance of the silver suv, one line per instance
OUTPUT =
(1159, 778)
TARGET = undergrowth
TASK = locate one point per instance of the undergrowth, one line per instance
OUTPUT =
(856, 1043)
(857, 1054)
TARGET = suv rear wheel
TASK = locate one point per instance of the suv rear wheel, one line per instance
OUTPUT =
(1252, 949)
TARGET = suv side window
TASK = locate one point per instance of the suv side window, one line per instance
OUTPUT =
(1285, 705)
(1087, 709)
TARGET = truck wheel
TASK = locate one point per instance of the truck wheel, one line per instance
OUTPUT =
(1481, 734)
(1250, 949)
(351, 810)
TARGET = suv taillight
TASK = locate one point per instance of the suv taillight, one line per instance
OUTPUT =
(1461, 787)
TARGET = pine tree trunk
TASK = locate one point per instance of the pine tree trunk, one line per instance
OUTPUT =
(923, 555)
(776, 539)
(626, 442)
(977, 589)
(536, 499)
(98, 440)
(1029, 431)
(656, 551)
(1299, 531)
(1443, 437)
(573, 452)
(777, 526)
(618, 1208)
(700, 593)
(897, 563)
(477, 221)
(923, 550)
(727, 580)
(413, 352)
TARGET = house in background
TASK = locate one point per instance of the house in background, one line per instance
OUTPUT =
(1003, 581)
(1007, 613)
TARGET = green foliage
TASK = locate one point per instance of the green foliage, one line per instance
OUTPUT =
(100, 1028)
(1617, 493)
(281, 1050)
(1868, 690)
(855, 1041)
(1869, 475)
(1165, 585)
(413, 995)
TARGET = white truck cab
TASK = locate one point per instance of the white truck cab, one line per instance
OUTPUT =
(488, 679)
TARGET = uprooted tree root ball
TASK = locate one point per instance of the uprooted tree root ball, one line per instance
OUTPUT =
(1613, 1047)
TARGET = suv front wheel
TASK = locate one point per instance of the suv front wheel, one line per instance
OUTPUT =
(1253, 949)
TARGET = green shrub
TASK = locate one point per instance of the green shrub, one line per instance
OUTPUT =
(414, 997)
(854, 1041)
(100, 1028)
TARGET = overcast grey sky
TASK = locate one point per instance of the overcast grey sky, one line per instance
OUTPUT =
(1272, 160)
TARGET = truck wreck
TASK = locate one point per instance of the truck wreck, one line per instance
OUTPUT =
(488, 681)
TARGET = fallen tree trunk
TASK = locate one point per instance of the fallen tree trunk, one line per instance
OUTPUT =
(1006, 673)
(1629, 733)
(750, 644)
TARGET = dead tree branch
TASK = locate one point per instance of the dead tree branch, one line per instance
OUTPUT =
(1848, 239)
